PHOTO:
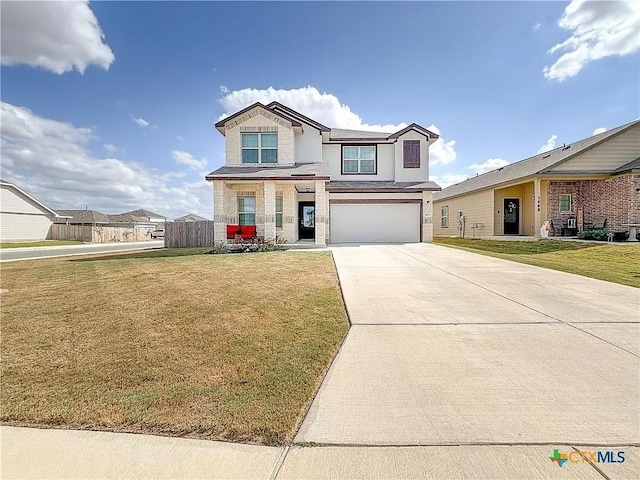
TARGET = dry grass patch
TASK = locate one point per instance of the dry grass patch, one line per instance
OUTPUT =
(225, 347)
(618, 263)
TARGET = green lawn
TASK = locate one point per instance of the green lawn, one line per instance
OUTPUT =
(619, 263)
(42, 243)
(228, 347)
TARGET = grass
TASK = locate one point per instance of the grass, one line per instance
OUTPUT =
(42, 243)
(171, 342)
(618, 263)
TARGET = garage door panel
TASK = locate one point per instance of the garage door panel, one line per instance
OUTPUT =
(375, 222)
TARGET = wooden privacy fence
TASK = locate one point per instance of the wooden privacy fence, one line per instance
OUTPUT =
(188, 234)
(88, 233)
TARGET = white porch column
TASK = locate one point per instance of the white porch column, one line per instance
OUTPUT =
(321, 208)
(269, 210)
(537, 206)
(219, 218)
(427, 217)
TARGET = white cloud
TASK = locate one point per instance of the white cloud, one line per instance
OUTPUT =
(49, 159)
(141, 122)
(549, 145)
(599, 130)
(185, 158)
(328, 110)
(224, 90)
(110, 148)
(598, 30)
(179, 137)
(491, 164)
(537, 26)
(448, 179)
(58, 36)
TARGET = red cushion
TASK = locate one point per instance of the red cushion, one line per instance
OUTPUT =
(248, 231)
(233, 230)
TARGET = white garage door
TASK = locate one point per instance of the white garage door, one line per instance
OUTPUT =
(375, 222)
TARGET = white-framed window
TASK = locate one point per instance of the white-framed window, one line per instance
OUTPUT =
(279, 211)
(565, 203)
(444, 217)
(260, 147)
(246, 210)
(359, 159)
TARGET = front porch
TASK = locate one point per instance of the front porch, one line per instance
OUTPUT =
(291, 210)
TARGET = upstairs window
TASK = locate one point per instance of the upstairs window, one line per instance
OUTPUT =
(411, 153)
(359, 160)
(259, 148)
(565, 203)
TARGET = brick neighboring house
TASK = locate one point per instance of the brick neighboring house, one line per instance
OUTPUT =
(576, 184)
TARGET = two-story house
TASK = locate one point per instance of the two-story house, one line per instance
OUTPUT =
(294, 178)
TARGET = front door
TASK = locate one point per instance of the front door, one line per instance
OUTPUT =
(511, 216)
(307, 220)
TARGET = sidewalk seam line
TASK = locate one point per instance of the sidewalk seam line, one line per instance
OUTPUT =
(279, 463)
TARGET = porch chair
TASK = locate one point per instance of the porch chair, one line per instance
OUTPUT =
(599, 223)
(558, 229)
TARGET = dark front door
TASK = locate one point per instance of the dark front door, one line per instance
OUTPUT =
(511, 216)
(307, 220)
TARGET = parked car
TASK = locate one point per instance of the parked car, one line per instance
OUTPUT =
(159, 233)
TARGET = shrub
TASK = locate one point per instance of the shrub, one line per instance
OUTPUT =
(219, 248)
(593, 235)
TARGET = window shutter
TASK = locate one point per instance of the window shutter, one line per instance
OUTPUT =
(411, 153)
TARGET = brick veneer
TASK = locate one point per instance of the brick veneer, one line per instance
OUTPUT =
(615, 198)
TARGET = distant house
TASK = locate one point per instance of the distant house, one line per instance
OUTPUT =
(140, 218)
(191, 217)
(82, 217)
(576, 185)
(22, 217)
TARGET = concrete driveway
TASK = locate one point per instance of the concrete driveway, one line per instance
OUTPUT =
(455, 348)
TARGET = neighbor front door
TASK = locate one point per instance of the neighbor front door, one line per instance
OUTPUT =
(511, 216)
(307, 220)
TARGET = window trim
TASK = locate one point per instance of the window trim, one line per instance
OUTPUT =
(444, 219)
(404, 161)
(255, 208)
(570, 210)
(375, 159)
(281, 210)
(259, 148)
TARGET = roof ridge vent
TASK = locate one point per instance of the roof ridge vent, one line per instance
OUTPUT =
(547, 155)
(565, 147)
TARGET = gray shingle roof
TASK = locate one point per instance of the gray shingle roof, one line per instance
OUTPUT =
(146, 214)
(84, 216)
(539, 163)
(380, 185)
(313, 170)
(628, 167)
(192, 217)
(344, 133)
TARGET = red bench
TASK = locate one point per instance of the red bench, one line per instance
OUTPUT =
(246, 232)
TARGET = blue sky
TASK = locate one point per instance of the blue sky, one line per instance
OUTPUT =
(125, 120)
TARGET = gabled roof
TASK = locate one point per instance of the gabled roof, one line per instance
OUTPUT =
(298, 171)
(632, 166)
(538, 164)
(84, 216)
(191, 216)
(142, 213)
(220, 125)
(343, 134)
(29, 197)
(297, 115)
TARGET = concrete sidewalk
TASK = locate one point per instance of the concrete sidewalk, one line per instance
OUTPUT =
(36, 253)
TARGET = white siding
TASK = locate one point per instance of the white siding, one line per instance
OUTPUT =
(412, 174)
(17, 226)
(613, 153)
(12, 201)
(372, 222)
(308, 145)
(332, 156)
